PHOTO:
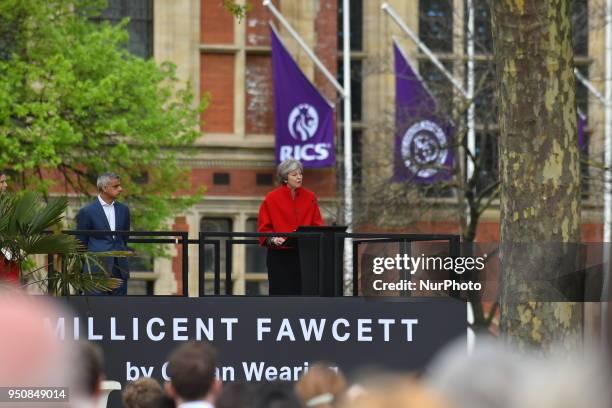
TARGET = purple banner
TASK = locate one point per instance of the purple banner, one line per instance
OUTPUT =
(423, 135)
(303, 118)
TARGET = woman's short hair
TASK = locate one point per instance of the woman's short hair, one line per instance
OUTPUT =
(286, 167)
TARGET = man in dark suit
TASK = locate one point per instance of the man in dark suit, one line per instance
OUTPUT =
(106, 214)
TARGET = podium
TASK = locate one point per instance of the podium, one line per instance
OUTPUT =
(316, 280)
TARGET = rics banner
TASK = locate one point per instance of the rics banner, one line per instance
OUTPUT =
(304, 119)
(264, 338)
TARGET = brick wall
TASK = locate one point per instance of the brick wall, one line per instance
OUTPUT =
(217, 24)
(259, 107)
(243, 182)
(217, 78)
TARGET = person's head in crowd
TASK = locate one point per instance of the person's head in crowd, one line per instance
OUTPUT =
(408, 392)
(392, 391)
(31, 354)
(3, 180)
(89, 370)
(562, 380)
(487, 378)
(141, 393)
(191, 368)
(321, 386)
(163, 401)
(235, 395)
(278, 394)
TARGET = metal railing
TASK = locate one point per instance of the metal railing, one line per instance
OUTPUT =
(215, 238)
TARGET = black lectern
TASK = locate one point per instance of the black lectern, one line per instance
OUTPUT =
(323, 281)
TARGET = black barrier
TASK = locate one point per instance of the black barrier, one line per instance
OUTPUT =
(181, 237)
(265, 338)
(454, 246)
(207, 238)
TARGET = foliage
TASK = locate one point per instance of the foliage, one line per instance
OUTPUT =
(239, 11)
(74, 103)
(25, 225)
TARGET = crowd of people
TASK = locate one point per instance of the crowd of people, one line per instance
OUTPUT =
(493, 376)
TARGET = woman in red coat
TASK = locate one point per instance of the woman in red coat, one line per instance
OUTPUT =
(283, 210)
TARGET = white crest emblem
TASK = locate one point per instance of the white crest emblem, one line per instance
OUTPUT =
(424, 148)
(303, 122)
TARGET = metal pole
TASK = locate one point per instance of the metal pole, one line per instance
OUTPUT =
(307, 50)
(590, 86)
(607, 174)
(348, 142)
(387, 8)
(471, 114)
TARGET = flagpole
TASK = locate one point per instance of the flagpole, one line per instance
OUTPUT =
(303, 45)
(393, 14)
(348, 142)
(471, 114)
(589, 85)
(607, 216)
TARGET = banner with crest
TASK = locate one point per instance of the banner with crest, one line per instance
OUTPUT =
(423, 142)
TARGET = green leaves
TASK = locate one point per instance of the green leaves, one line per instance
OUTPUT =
(25, 222)
(74, 103)
(25, 225)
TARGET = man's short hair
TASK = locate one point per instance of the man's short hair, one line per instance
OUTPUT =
(142, 393)
(192, 370)
(90, 370)
(105, 178)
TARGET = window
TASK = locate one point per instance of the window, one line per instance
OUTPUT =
(483, 38)
(487, 154)
(356, 26)
(264, 179)
(580, 27)
(438, 84)
(255, 254)
(484, 99)
(356, 90)
(221, 179)
(213, 224)
(140, 27)
(255, 263)
(436, 24)
(357, 162)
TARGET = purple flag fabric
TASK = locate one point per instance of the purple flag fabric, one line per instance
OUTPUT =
(423, 151)
(303, 118)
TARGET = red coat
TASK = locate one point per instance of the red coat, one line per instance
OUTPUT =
(280, 212)
(9, 271)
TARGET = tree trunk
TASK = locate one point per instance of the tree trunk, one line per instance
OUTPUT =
(539, 168)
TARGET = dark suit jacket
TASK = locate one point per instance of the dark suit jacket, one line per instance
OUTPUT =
(92, 217)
